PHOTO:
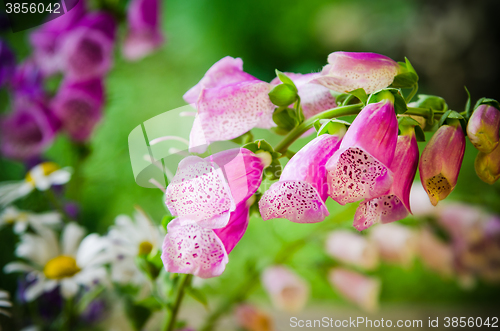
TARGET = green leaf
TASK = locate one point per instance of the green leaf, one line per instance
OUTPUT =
(456, 115)
(197, 295)
(487, 101)
(419, 133)
(150, 303)
(444, 117)
(332, 126)
(407, 77)
(407, 121)
(282, 95)
(340, 98)
(285, 118)
(286, 80)
(165, 220)
(360, 94)
(430, 102)
(137, 315)
(468, 111)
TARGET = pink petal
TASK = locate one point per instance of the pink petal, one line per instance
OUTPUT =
(191, 249)
(232, 233)
(357, 288)
(352, 248)
(288, 292)
(385, 209)
(396, 243)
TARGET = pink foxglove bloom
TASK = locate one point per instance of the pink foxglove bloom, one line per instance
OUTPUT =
(144, 29)
(301, 192)
(441, 161)
(359, 289)
(288, 291)
(435, 254)
(360, 168)
(7, 63)
(352, 248)
(87, 51)
(28, 131)
(230, 102)
(253, 319)
(395, 204)
(396, 243)
(348, 71)
(488, 166)
(314, 98)
(78, 105)
(483, 128)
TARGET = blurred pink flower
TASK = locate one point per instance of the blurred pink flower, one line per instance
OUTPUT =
(352, 248)
(301, 192)
(144, 29)
(251, 318)
(488, 166)
(360, 168)
(395, 243)
(287, 291)
(348, 71)
(435, 253)
(361, 290)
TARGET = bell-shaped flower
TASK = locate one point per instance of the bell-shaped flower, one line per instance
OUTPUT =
(301, 192)
(435, 254)
(348, 71)
(78, 106)
(395, 243)
(314, 98)
(287, 291)
(28, 131)
(395, 204)
(27, 81)
(441, 161)
(230, 102)
(359, 289)
(483, 128)
(352, 248)
(360, 168)
(206, 191)
(87, 50)
(144, 29)
(488, 166)
(251, 318)
(7, 63)
(191, 249)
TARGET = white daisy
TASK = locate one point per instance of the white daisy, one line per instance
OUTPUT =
(4, 302)
(68, 263)
(20, 219)
(40, 177)
(129, 238)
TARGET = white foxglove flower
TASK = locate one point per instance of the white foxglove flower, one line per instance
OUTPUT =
(21, 219)
(40, 177)
(4, 302)
(72, 262)
(130, 238)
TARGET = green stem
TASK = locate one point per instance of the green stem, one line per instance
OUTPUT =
(68, 314)
(306, 125)
(185, 280)
(412, 93)
(57, 204)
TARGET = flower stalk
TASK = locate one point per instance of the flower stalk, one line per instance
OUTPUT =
(184, 281)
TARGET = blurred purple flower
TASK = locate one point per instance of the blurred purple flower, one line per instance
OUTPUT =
(27, 81)
(78, 105)
(7, 63)
(95, 311)
(144, 29)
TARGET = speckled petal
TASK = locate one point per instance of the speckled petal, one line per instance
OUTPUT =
(385, 209)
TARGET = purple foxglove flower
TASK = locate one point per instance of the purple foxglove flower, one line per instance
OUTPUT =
(7, 63)
(230, 102)
(301, 192)
(87, 50)
(288, 291)
(395, 204)
(48, 38)
(352, 248)
(314, 98)
(191, 249)
(27, 131)
(78, 105)
(441, 161)
(206, 191)
(488, 166)
(144, 29)
(395, 243)
(483, 128)
(359, 289)
(360, 168)
(27, 81)
(348, 71)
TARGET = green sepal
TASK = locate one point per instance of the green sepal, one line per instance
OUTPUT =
(282, 95)
(407, 77)
(408, 121)
(254, 208)
(360, 94)
(340, 98)
(453, 115)
(155, 258)
(432, 102)
(244, 138)
(273, 171)
(399, 101)
(330, 126)
(286, 80)
(165, 220)
(197, 295)
(487, 101)
(285, 119)
(468, 110)
(419, 133)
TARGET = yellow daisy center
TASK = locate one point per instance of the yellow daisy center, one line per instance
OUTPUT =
(60, 267)
(47, 168)
(145, 248)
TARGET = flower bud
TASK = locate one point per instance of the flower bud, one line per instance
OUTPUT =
(441, 161)
(483, 128)
(488, 166)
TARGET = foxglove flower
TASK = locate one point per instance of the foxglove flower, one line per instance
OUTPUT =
(288, 291)
(72, 262)
(360, 168)
(230, 102)
(27, 131)
(21, 219)
(435, 254)
(396, 243)
(395, 204)
(7, 63)
(359, 289)
(87, 50)
(78, 106)
(488, 166)
(352, 248)
(40, 177)
(348, 71)
(314, 98)
(483, 128)
(252, 319)
(441, 161)
(301, 192)
(144, 30)
(27, 81)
